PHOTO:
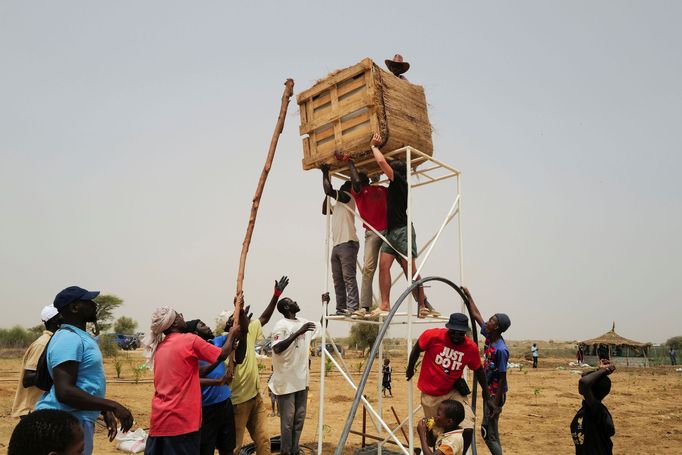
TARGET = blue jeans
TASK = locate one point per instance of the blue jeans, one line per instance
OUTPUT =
(88, 436)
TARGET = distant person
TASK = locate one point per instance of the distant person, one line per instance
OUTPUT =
(47, 432)
(217, 413)
(74, 362)
(496, 357)
(386, 373)
(592, 427)
(398, 234)
(345, 245)
(447, 351)
(176, 405)
(448, 417)
(534, 353)
(291, 337)
(249, 409)
(580, 355)
(27, 394)
(397, 66)
(673, 356)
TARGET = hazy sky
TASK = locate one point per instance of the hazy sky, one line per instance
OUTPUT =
(132, 135)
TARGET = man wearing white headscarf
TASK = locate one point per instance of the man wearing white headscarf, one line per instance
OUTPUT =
(27, 393)
(176, 405)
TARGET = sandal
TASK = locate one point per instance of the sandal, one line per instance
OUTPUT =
(378, 312)
(424, 313)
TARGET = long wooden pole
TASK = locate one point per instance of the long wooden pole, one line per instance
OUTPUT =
(288, 92)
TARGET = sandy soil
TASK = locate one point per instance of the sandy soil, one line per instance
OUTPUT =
(645, 404)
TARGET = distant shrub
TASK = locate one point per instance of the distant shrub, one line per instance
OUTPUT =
(108, 346)
(674, 342)
(17, 337)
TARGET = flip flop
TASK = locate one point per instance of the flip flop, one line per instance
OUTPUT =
(422, 313)
(378, 312)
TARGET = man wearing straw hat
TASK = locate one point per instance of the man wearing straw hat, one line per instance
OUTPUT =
(397, 66)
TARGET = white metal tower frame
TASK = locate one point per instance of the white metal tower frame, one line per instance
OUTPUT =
(413, 157)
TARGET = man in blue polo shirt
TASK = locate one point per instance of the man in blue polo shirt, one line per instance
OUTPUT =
(217, 425)
(75, 363)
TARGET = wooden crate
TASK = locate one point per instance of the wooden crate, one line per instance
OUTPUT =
(342, 111)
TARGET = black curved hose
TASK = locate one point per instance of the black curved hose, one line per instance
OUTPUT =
(375, 350)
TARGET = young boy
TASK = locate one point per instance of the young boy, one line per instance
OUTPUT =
(592, 426)
(449, 415)
(47, 431)
(496, 356)
(386, 379)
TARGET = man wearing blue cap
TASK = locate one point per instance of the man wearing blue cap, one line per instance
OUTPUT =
(75, 363)
(496, 356)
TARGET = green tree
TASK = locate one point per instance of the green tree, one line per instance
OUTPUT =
(674, 342)
(16, 337)
(363, 335)
(125, 325)
(36, 330)
(106, 305)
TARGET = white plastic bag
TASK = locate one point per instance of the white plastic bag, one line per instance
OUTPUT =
(132, 441)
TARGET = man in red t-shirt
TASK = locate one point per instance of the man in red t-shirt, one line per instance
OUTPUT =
(446, 352)
(371, 203)
(176, 405)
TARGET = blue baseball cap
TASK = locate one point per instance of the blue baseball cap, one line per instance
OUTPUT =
(73, 294)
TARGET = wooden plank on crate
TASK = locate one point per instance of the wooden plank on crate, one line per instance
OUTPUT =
(319, 135)
(344, 88)
(354, 121)
(333, 80)
(306, 148)
(321, 100)
(335, 114)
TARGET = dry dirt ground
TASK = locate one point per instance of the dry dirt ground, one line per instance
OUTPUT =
(645, 404)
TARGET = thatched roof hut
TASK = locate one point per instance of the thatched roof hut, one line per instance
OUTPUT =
(619, 349)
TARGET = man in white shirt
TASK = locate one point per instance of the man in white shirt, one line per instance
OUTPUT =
(345, 245)
(291, 338)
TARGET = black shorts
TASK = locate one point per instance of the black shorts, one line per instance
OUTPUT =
(217, 428)
(183, 444)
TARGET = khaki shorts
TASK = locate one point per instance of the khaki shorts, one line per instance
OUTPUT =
(430, 405)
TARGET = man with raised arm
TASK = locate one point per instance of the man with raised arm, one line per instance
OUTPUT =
(291, 338)
(447, 351)
(176, 406)
(217, 412)
(345, 245)
(496, 356)
(592, 427)
(397, 231)
(249, 411)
